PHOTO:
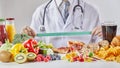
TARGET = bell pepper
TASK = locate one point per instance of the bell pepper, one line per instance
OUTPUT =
(18, 48)
(31, 45)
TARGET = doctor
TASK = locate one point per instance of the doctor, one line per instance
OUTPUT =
(64, 16)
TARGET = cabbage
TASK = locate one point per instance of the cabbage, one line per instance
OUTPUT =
(6, 46)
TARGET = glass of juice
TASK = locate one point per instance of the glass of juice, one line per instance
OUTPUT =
(10, 28)
(109, 30)
(3, 33)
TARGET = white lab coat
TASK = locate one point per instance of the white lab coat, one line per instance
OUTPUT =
(54, 22)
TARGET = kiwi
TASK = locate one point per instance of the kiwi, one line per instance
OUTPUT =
(31, 56)
(20, 58)
(5, 56)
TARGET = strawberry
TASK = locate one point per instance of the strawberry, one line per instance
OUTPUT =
(41, 56)
(38, 59)
(46, 59)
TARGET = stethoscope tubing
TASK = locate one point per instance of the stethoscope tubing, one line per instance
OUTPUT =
(74, 9)
(45, 11)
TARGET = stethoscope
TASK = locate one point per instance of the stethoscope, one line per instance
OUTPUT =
(42, 28)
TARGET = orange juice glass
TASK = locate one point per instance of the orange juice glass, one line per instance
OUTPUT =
(10, 28)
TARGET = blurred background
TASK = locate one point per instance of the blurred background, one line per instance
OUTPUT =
(22, 10)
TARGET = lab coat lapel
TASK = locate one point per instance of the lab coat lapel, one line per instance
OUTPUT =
(57, 15)
(70, 17)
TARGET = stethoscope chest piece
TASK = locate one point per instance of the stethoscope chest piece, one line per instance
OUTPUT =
(42, 28)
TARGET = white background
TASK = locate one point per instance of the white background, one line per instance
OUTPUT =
(62, 64)
(0, 8)
(22, 10)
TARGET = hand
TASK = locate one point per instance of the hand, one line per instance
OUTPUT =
(29, 31)
(97, 31)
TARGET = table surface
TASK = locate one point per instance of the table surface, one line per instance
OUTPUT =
(62, 64)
